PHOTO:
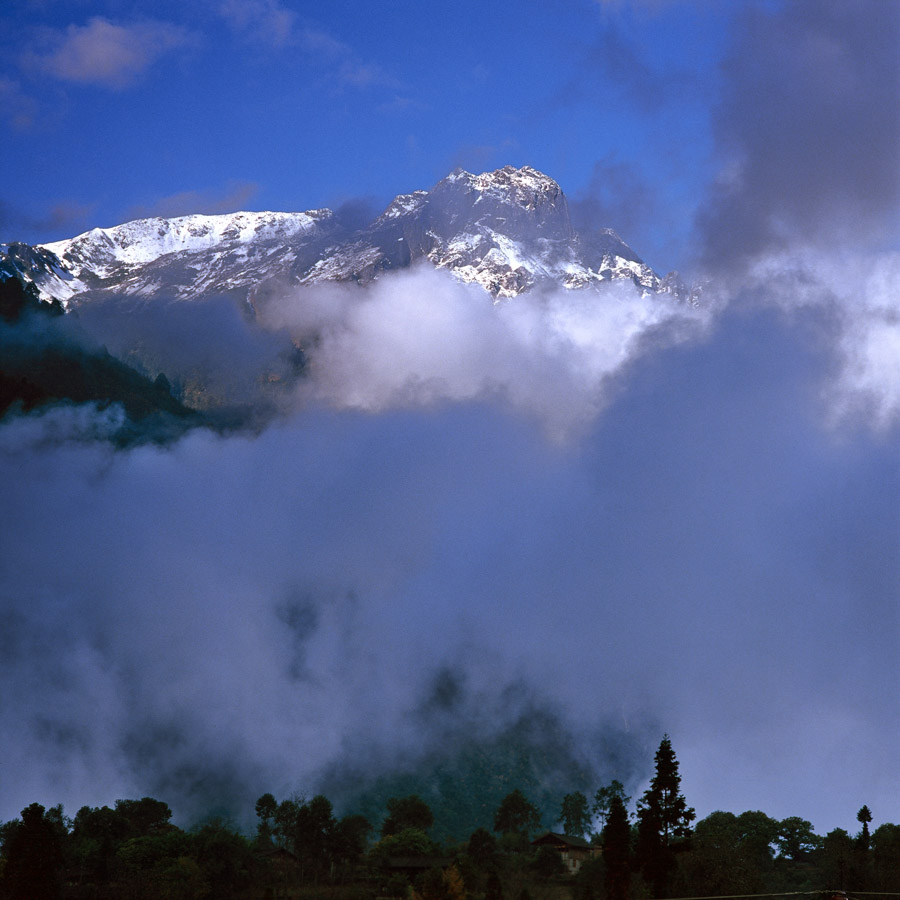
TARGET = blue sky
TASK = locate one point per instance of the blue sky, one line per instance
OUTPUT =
(114, 109)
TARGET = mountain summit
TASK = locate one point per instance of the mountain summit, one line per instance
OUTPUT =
(508, 230)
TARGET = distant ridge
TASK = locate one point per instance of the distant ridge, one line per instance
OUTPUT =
(508, 230)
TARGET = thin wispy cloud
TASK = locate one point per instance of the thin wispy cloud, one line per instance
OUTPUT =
(649, 8)
(212, 201)
(615, 58)
(270, 24)
(18, 108)
(399, 105)
(266, 22)
(16, 221)
(342, 63)
(105, 53)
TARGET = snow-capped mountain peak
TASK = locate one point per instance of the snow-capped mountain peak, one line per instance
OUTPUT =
(145, 240)
(524, 185)
(508, 230)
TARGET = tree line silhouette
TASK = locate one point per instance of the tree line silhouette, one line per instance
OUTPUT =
(299, 848)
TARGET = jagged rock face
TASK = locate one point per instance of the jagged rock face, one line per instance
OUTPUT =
(185, 257)
(508, 230)
(515, 202)
(30, 265)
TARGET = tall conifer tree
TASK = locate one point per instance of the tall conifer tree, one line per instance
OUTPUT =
(617, 850)
(863, 839)
(664, 821)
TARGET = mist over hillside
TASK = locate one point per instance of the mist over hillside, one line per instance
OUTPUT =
(267, 611)
(495, 490)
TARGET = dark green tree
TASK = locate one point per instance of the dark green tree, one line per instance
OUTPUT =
(837, 865)
(308, 830)
(351, 837)
(575, 815)
(547, 864)
(97, 833)
(145, 816)
(266, 810)
(410, 842)
(756, 836)
(494, 889)
(864, 839)
(516, 815)
(862, 858)
(617, 850)
(32, 856)
(885, 858)
(795, 839)
(482, 848)
(224, 858)
(729, 854)
(603, 799)
(407, 812)
(664, 821)
(313, 836)
(284, 820)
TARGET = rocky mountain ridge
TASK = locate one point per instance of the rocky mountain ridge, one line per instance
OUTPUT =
(509, 231)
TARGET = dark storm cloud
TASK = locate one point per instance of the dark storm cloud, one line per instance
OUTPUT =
(615, 64)
(18, 225)
(618, 196)
(358, 212)
(622, 65)
(808, 130)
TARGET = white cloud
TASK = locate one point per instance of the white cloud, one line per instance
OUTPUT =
(268, 23)
(870, 343)
(105, 53)
(265, 21)
(858, 292)
(419, 338)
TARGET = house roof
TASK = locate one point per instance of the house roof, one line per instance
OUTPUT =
(552, 837)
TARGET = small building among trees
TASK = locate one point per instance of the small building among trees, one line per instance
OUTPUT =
(574, 851)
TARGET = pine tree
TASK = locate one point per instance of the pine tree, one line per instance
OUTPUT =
(863, 839)
(617, 850)
(664, 821)
(603, 799)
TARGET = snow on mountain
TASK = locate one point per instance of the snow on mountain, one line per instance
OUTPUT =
(145, 240)
(185, 257)
(508, 230)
